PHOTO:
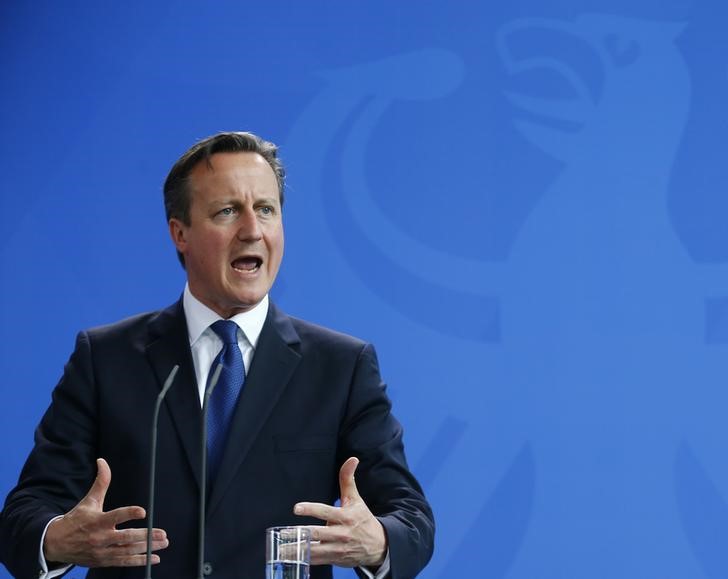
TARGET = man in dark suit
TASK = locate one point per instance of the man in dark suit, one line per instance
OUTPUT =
(308, 410)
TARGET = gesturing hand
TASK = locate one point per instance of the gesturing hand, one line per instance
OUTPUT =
(88, 536)
(352, 537)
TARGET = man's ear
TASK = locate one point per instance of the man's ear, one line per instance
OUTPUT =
(177, 231)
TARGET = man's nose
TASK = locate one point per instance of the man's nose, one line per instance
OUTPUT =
(249, 226)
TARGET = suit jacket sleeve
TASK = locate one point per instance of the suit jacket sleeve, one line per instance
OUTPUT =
(371, 433)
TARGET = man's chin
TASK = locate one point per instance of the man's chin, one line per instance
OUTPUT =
(245, 302)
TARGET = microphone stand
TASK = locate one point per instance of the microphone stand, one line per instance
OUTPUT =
(153, 466)
(203, 472)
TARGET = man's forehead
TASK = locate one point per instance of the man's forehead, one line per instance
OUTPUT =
(250, 165)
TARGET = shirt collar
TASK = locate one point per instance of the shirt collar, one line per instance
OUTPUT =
(199, 317)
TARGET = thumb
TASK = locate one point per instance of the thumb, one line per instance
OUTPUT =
(347, 485)
(97, 492)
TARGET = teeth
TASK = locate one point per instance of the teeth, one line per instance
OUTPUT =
(248, 265)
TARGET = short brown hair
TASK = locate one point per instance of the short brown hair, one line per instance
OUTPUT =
(176, 190)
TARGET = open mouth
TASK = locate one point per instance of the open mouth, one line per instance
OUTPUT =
(248, 264)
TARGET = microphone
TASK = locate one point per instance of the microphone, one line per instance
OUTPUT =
(153, 466)
(203, 472)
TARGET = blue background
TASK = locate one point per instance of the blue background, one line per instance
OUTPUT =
(522, 204)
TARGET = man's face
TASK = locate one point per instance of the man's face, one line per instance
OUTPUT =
(234, 243)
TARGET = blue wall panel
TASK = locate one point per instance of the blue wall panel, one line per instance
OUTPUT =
(523, 205)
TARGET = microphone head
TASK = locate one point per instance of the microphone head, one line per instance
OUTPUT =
(214, 379)
(172, 375)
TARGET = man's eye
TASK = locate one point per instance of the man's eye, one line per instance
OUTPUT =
(266, 210)
(226, 211)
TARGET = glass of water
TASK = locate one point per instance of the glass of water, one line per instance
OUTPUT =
(287, 552)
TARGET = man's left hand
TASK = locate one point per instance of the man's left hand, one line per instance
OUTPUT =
(352, 537)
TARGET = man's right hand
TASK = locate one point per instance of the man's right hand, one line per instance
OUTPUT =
(88, 536)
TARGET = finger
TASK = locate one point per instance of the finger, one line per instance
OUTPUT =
(347, 486)
(129, 536)
(124, 514)
(139, 547)
(318, 511)
(97, 492)
(323, 556)
(332, 554)
(330, 534)
(315, 531)
(130, 561)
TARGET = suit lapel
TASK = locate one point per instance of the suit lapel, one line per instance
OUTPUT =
(169, 345)
(274, 362)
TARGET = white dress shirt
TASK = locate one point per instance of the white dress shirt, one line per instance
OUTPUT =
(206, 344)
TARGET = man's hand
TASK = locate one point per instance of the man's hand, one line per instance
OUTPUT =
(352, 537)
(87, 536)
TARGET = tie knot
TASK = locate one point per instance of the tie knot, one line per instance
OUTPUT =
(226, 330)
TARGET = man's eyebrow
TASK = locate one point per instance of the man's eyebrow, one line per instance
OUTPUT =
(225, 201)
(267, 199)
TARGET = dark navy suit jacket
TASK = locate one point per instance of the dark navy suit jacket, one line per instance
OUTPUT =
(312, 398)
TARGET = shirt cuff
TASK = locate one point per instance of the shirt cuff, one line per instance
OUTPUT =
(44, 572)
(381, 572)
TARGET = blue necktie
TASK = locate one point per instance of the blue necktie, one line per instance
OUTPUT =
(225, 396)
